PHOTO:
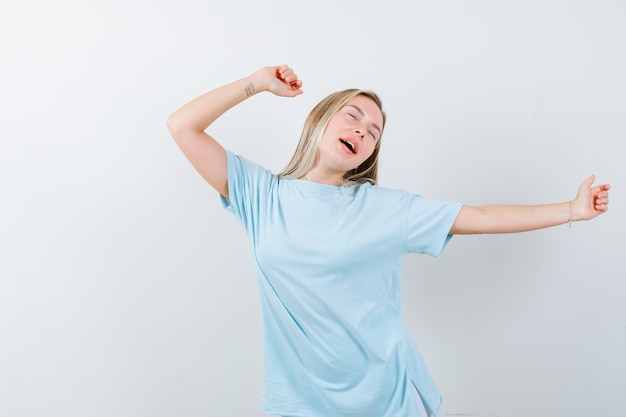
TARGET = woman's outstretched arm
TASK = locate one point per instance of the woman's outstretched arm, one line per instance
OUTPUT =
(590, 202)
(188, 123)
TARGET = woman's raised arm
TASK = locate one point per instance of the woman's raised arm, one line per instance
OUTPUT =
(187, 124)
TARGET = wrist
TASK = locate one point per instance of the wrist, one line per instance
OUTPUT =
(250, 85)
(257, 82)
(570, 219)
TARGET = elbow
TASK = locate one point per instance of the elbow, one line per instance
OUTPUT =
(174, 126)
(170, 122)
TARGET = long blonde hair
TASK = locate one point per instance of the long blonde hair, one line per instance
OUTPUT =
(307, 151)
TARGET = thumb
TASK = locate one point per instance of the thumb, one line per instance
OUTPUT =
(589, 181)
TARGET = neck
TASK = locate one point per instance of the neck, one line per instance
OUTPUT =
(330, 178)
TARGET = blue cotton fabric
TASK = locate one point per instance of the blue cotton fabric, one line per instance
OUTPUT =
(328, 262)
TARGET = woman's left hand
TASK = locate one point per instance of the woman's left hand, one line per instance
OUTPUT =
(591, 201)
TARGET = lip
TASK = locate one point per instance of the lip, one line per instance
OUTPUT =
(354, 143)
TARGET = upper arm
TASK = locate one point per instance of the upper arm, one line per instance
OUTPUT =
(206, 155)
(468, 221)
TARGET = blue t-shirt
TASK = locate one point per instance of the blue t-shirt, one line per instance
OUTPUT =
(328, 262)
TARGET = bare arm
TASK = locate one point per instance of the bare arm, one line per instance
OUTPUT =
(590, 202)
(187, 124)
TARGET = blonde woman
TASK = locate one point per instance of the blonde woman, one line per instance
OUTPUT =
(328, 245)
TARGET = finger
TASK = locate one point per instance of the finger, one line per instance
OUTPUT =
(283, 75)
(602, 190)
(293, 83)
(284, 70)
(292, 77)
(589, 180)
(296, 91)
(281, 71)
(601, 201)
(289, 77)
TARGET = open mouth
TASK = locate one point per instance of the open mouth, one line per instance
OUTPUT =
(349, 145)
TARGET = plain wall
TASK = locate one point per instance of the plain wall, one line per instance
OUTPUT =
(126, 290)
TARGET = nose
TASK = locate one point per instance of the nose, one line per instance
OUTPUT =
(359, 131)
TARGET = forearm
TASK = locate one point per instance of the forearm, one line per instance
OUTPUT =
(201, 112)
(499, 218)
(590, 202)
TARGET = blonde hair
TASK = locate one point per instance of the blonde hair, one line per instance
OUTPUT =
(307, 151)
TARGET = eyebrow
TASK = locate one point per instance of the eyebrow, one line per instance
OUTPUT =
(357, 108)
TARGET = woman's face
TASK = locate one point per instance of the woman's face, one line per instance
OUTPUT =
(351, 135)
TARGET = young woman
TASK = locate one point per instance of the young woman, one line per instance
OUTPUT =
(328, 246)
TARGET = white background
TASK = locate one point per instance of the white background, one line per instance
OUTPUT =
(126, 290)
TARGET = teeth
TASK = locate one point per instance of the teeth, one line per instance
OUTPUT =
(348, 144)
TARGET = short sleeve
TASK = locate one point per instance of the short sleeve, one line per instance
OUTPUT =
(429, 223)
(249, 188)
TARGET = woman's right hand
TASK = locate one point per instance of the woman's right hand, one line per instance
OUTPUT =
(281, 81)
